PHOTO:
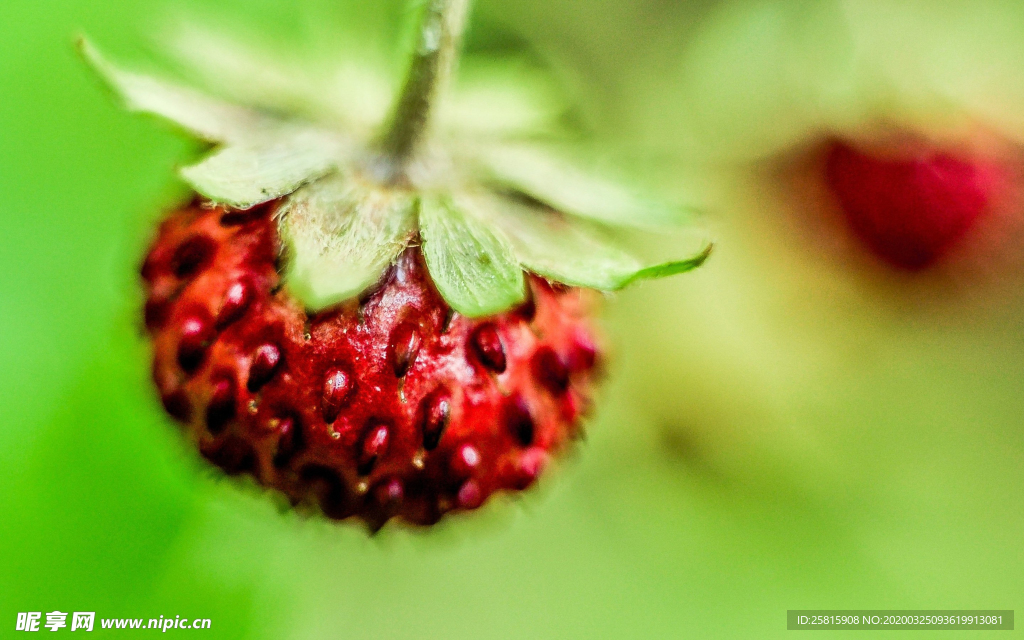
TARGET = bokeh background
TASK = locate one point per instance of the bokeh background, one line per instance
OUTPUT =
(796, 425)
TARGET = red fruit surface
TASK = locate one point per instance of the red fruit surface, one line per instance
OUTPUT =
(910, 210)
(392, 405)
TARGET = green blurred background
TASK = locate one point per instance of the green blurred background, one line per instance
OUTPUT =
(791, 427)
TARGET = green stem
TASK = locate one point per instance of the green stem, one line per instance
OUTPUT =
(433, 63)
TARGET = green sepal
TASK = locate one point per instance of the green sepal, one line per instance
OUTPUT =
(560, 185)
(341, 235)
(672, 268)
(500, 99)
(568, 250)
(352, 95)
(495, 98)
(248, 173)
(204, 117)
(471, 264)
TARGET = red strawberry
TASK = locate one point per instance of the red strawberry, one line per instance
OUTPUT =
(910, 210)
(391, 405)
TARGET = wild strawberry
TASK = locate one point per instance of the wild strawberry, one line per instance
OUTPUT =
(391, 404)
(382, 326)
(912, 208)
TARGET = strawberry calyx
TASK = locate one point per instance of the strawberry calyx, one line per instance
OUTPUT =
(352, 199)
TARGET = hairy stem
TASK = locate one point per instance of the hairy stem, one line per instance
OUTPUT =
(433, 62)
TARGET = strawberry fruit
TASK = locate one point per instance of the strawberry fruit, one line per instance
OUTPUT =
(390, 404)
(910, 210)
